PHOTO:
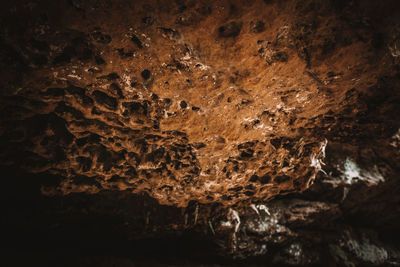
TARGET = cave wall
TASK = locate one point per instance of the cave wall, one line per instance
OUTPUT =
(267, 128)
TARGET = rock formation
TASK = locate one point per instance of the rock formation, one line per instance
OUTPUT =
(261, 132)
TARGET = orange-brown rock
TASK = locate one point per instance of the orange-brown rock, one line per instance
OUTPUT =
(270, 114)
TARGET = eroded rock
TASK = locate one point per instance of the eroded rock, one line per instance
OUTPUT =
(267, 128)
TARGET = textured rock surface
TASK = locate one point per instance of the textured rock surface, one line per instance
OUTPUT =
(267, 128)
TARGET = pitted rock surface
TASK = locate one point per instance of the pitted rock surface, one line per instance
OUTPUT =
(172, 117)
(268, 127)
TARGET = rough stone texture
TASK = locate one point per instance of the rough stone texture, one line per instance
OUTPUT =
(268, 128)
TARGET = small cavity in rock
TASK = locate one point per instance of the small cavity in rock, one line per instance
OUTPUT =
(146, 74)
(183, 104)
